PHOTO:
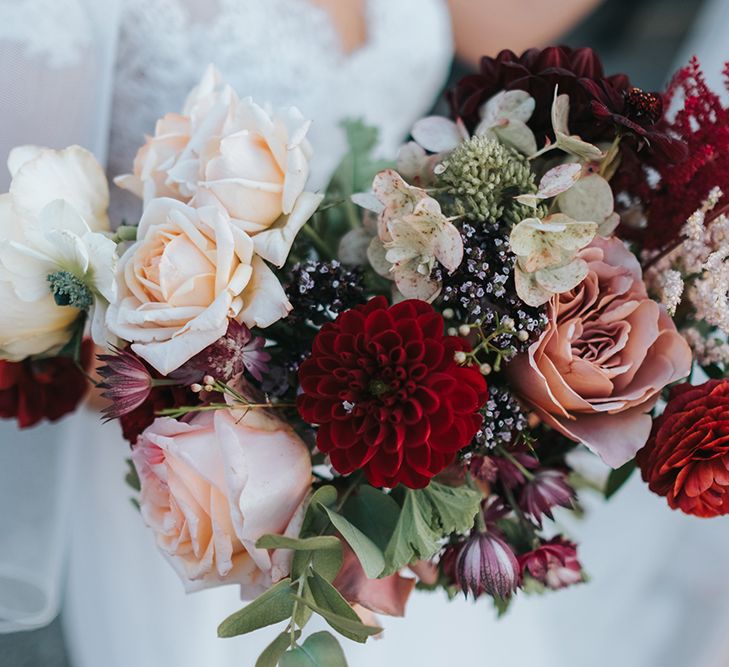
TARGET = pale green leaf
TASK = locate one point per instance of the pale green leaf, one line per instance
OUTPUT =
(328, 597)
(319, 650)
(275, 605)
(374, 512)
(365, 549)
(298, 544)
(356, 628)
(273, 652)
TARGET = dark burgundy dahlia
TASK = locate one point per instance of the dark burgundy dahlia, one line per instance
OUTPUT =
(387, 395)
(599, 104)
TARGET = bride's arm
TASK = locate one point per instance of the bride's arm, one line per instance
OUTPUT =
(484, 27)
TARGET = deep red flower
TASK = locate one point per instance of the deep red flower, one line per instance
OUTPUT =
(686, 458)
(553, 563)
(37, 389)
(160, 397)
(599, 105)
(702, 123)
(387, 395)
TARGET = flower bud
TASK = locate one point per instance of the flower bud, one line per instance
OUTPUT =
(487, 564)
(547, 489)
(464, 330)
(553, 563)
(460, 357)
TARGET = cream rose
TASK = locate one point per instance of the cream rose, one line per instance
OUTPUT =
(212, 487)
(52, 220)
(190, 272)
(250, 161)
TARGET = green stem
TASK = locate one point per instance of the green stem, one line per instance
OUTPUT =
(318, 241)
(524, 471)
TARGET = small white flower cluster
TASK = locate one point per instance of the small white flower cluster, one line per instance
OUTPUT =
(702, 255)
(707, 350)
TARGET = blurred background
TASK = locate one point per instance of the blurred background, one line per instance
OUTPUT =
(647, 38)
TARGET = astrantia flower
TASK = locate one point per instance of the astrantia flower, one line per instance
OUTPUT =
(686, 458)
(553, 563)
(387, 395)
(236, 351)
(547, 489)
(487, 564)
(37, 389)
(127, 382)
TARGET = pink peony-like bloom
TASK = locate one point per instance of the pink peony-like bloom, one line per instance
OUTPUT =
(606, 355)
(212, 487)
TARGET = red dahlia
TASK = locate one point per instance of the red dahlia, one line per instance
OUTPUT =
(387, 395)
(686, 458)
(37, 389)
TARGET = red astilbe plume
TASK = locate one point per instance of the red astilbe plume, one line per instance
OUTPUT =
(388, 397)
(36, 389)
(702, 123)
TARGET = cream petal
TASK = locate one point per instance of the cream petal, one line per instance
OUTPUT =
(264, 300)
(274, 244)
(72, 174)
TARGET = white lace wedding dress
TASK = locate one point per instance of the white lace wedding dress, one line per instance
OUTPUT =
(659, 594)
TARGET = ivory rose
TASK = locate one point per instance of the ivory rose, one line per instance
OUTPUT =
(608, 351)
(212, 487)
(221, 150)
(189, 273)
(52, 221)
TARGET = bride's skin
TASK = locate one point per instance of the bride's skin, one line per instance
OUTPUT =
(480, 27)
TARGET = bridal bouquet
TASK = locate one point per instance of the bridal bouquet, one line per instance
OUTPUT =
(333, 398)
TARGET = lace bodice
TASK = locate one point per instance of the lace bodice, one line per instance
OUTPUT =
(283, 52)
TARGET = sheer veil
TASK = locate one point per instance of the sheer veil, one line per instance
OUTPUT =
(55, 90)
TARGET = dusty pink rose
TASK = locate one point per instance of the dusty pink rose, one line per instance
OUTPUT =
(212, 487)
(609, 350)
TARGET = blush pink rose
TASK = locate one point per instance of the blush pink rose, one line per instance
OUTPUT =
(600, 366)
(212, 487)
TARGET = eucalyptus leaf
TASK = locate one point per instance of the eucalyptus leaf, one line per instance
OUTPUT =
(132, 478)
(369, 554)
(328, 597)
(275, 605)
(319, 650)
(315, 524)
(356, 628)
(327, 562)
(273, 652)
(298, 544)
(618, 477)
(374, 512)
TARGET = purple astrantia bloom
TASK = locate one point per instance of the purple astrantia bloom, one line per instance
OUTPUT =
(547, 489)
(126, 383)
(227, 357)
(487, 564)
(553, 563)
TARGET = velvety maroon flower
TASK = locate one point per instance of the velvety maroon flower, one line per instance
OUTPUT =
(126, 383)
(35, 389)
(387, 395)
(553, 563)
(160, 398)
(547, 489)
(599, 104)
(686, 458)
(227, 357)
(487, 564)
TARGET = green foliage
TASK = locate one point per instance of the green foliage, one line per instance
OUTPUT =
(72, 349)
(276, 604)
(714, 371)
(618, 477)
(132, 478)
(337, 213)
(428, 515)
(369, 554)
(273, 652)
(298, 544)
(318, 650)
